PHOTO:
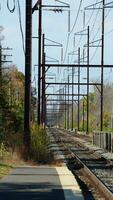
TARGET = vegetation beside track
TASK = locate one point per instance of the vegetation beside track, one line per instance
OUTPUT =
(4, 170)
(40, 145)
(12, 119)
(94, 111)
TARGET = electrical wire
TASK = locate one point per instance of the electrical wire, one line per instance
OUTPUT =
(20, 20)
(93, 28)
(96, 35)
(76, 17)
(84, 27)
(96, 32)
(8, 6)
(20, 23)
(66, 47)
(95, 51)
(67, 44)
(90, 16)
(80, 39)
(109, 32)
(74, 26)
(101, 24)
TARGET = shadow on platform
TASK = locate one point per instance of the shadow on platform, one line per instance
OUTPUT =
(34, 184)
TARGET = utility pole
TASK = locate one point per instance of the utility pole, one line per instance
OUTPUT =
(68, 106)
(43, 83)
(45, 103)
(28, 63)
(83, 112)
(78, 89)
(65, 107)
(72, 97)
(39, 58)
(88, 80)
(0, 64)
(102, 63)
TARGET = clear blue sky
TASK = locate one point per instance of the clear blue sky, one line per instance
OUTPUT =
(55, 28)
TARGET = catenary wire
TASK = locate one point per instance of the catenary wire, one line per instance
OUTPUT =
(8, 6)
(90, 32)
(68, 37)
(20, 24)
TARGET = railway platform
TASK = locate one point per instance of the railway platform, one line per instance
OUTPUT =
(40, 183)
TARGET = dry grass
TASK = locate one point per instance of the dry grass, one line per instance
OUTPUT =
(57, 163)
(40, 152)
(8, 162)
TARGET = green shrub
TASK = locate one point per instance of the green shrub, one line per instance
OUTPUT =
(3, 150)
(39, 145)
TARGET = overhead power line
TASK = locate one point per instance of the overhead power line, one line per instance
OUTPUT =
(99, 27)
(109, 32)
(91, 31)
(76, 17)
(96, 35)
(20, 23)
(19, 16)
(11, 10)
(86, 24)
(72, 29)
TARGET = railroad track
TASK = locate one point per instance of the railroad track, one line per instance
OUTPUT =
(97, 169)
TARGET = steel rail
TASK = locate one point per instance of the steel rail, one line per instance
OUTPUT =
(106, 192)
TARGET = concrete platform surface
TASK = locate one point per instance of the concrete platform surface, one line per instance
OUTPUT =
(40, 183)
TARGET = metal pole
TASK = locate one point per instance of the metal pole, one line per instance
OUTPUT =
(102, 63)
(68, 106)
(44, 107)
(45, 110)
(39, 57)
(78, 89)
(43, 83)
(88, 80)
(83, 113)
(28, 63)
(0, 64)
(65, 107)
(72, 97)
